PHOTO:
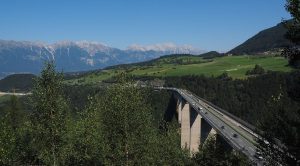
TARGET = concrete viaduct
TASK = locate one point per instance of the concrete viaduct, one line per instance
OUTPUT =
(201, 120)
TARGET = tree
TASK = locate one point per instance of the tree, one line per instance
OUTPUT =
(127, 125)
(49, 116)
(213, 153)
(11, 125)
(256, 70)
(293, 32)
(87, 145)
(279, 143)
(170, 152)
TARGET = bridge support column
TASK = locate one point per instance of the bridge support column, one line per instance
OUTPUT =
(212, 135)
(190, 128)
(185, 126)
(195, 131)
(179, 109)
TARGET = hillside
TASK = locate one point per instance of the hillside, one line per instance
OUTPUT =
(266, 40)
(17, 82)
(235, 66)
(211, 55)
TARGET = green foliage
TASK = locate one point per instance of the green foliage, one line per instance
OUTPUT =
(127, 126)
(169, 149)
(49, 117)
(78, 95)
(86, 142)
(211, 55)
(257, 70)
(7, 143)
(293, 33)
(11, 125)
(281, 131)
(293, 56)
(213, 154)
(293, 26)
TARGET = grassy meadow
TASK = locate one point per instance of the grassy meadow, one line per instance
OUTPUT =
(235, 66)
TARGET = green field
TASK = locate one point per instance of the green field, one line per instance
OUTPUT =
(235, 66)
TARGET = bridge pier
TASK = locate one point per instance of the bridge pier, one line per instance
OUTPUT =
(190, 127)
(179, 109)
(195, 131)
(185, 126)
(195, 135)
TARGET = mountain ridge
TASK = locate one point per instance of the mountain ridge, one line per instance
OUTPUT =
(28, 56)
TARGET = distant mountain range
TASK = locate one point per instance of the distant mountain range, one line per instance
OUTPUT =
(28, 57)
(266, 40)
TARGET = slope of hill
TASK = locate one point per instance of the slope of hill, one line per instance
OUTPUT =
(235, 66)
(211, 55)
(17, 82)
(266, 40)
(28, 57)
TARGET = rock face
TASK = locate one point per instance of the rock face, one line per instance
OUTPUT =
(28, 57)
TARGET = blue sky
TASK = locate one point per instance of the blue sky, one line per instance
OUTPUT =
(206, 24)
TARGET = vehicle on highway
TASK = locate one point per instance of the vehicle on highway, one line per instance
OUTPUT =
(222, 127)
(235, 135)
(258, 155)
